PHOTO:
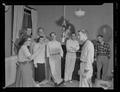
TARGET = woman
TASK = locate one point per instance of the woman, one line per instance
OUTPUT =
(39, 61)
(24, 75)
(55, 52)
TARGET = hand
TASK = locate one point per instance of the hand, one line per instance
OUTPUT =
(17, 63)
(83, 76)
(95, 59)
(35, 65)
(78, 72)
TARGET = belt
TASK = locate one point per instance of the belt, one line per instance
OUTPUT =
(55, 54)
(25, 62)
(71, 52)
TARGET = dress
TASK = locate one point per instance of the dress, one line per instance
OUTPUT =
(40, 61)
(24, 74)
(54, 52)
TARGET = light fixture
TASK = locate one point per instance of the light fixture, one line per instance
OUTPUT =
(79, 12)
(6, 7)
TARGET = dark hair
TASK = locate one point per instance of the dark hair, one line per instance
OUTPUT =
(37, 40)
(39, 29)
(52, 33)
(73, 33)
(22, 41)
(100, 36)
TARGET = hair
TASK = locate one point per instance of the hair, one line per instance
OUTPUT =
(100, 35)
(73, 33)
(37, 40)
(84, 31)
(22, 41)
(52, 33)
(39, 29)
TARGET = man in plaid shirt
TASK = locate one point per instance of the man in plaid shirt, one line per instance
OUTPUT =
(102, 54)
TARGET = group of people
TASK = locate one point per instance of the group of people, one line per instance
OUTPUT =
(33, 55)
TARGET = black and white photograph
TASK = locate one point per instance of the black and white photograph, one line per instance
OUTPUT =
(59, 46)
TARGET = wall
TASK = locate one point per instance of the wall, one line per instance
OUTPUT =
(8, 27)
(96, 15)
(47, 15)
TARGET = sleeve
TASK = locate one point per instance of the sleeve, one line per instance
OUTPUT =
(84, 52)
(26, 52)
(108, 51)
(48, 51)
(61, 50)
(95, 50)
(90, 53)
(68, 46)
(77, 46)
(31, 47)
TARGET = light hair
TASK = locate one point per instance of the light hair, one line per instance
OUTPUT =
(84, 31)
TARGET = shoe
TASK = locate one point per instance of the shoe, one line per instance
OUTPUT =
(60, 83)
(64, 83)
(71, 81)
(55, 84)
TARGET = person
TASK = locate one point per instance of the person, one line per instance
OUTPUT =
(22, 34)
(95, 41)
(103, 56)
(72, 47)
(29, 32)
(64, 38)
(24, 74)
(87, 58)
(40, 32)
(54, 53)
(39, 61)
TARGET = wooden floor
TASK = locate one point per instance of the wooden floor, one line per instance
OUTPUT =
(68, 84)
(74, 83)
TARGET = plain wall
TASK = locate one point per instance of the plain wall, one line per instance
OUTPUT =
(8, 31)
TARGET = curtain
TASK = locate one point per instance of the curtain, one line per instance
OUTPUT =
(27, 21)
(17, 22)
(34, 23)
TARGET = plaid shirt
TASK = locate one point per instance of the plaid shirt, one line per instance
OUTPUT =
(102, 49)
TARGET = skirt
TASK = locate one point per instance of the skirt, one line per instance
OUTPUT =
(40, 72)
(24, 75)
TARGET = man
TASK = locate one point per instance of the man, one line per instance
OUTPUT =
(54, 53)
(29, 32)
(23, 33)
(72, 47)
(87, 58)
(103, 56)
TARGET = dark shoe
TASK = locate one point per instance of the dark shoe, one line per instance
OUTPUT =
(55, 84)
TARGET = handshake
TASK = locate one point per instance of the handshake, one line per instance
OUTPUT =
(35, 64)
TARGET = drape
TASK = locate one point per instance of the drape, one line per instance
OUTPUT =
(17, 22)
(34, 23)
